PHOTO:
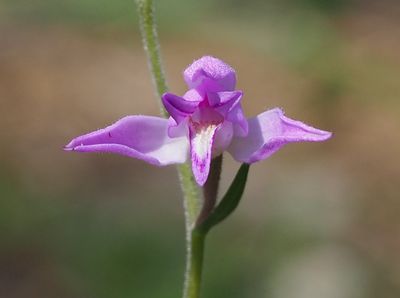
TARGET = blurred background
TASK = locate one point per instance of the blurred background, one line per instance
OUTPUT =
(317, 220)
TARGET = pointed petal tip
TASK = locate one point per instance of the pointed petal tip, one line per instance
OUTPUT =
(326, 135)
(69, 147)
(314, 134)
(319, 135)
(74, 144)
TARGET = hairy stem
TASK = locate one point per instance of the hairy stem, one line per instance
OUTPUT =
(151, 46)
(194, 240)
(195, 264)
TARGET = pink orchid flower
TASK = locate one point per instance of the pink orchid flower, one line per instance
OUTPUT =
(206, 121)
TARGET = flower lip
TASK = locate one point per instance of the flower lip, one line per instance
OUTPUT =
(201, 145)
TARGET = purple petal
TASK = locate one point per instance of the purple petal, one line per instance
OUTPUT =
(228, 104)
(194, 95)
(178, 129)
(224, 100)
(201, 142)
(178, 107)
(223, 138)
(141, 137)
(206, 115)
(210, 74)
(268, 132)
(236, 116)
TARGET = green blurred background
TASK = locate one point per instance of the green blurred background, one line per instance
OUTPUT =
(317, 220)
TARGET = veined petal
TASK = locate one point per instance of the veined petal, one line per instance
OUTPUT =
(178, 107)
(210, 74)
(268, 132)
(141, 137)
(201, 142)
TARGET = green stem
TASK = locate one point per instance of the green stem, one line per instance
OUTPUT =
(151, 45)
(194, 242)
(190, 194)
(194, 265)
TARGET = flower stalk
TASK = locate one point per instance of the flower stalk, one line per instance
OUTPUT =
(151, 46)
(194, 240)
(194, 265)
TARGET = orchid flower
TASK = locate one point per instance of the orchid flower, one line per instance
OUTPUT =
(206, 121)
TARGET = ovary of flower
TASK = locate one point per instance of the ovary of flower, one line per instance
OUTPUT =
(207, 120)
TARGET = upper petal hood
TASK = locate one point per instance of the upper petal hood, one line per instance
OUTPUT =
(142, 137)
(210, 74)
(268, 132)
